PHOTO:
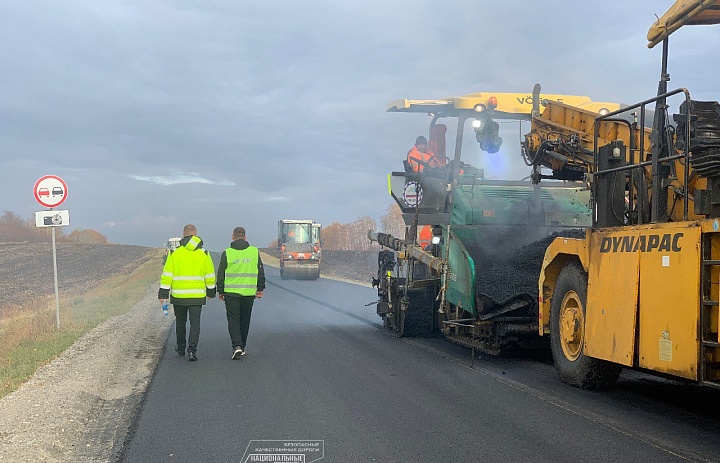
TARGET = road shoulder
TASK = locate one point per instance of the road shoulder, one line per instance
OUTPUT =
(81, 406)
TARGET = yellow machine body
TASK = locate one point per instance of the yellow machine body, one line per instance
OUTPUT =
(648, 286)
(499, 105)
(649, 296)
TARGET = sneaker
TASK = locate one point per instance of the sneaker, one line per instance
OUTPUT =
(237, 353)
(192, 356)
(181, 352)
(242, 351)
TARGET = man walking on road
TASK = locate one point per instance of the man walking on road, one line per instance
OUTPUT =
(241, 278)
(188, 278)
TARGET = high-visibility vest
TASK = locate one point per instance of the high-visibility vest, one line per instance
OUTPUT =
(241, 275)
(414, 154)
(188, 272)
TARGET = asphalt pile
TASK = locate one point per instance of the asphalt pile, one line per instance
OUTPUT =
(516, 275)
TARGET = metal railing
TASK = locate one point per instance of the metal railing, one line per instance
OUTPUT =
(637, 205)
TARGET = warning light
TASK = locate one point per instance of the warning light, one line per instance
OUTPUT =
(492, 102)
(488, 136)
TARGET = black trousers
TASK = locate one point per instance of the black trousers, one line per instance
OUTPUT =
(181, 316)
(238, 310)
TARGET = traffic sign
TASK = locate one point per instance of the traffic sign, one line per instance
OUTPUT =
(52, 218)
(50, 191)
(412, 194)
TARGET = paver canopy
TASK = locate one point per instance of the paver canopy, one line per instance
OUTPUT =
(684, 13)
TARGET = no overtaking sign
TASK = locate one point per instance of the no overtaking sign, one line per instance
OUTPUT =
(50, 191)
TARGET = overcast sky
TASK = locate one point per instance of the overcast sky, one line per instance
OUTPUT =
(240, 112)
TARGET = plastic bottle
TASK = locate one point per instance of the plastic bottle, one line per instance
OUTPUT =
(165, 307)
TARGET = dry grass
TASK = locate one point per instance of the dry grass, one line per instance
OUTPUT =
(20, 323)
(28, 336)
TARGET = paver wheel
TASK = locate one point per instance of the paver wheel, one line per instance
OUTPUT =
(567, 334)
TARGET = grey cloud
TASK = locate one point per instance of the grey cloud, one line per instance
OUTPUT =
(179, 178)
(273, 109)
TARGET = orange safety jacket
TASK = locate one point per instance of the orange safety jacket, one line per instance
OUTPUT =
(415, 154)
(425, 236)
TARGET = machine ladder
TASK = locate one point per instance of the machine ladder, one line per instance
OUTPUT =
(710, 311)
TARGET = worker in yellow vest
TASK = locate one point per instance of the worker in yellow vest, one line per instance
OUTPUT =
(188, 279)
(240, 279)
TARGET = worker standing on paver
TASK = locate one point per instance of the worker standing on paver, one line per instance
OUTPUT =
(241, 278)
(188, 280)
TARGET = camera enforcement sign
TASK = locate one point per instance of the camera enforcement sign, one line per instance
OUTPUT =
(52, 218)
(50, 191)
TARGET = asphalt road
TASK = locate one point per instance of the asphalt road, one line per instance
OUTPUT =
(320, 372)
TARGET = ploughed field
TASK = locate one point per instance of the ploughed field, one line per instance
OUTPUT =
(26, 269)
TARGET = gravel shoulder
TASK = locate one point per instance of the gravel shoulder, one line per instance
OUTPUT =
(81, 407)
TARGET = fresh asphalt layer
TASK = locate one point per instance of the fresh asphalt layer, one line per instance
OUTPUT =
(319, 367)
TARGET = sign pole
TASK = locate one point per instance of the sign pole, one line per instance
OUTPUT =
(57, 297)
(51, 191)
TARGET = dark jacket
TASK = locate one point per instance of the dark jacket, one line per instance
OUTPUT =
(210, 292)
(239, 245)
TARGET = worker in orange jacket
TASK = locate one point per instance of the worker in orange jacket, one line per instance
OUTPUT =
(425, 238)
(419, 152)
(422, 153)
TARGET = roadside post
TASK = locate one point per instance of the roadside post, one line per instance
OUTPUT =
(51, 191)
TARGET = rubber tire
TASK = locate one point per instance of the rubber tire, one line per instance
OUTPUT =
(584, 372)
